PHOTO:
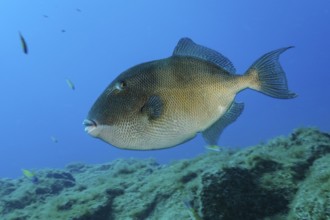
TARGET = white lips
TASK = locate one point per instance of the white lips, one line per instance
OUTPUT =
(89, 129)
(89, 125)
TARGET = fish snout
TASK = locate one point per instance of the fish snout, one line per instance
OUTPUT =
(90, 126)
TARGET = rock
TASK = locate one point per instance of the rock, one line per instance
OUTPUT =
(287, 178)
(238, 193)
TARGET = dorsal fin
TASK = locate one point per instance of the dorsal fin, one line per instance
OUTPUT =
(186, 47)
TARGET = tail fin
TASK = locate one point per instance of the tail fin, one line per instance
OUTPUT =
(268, 76)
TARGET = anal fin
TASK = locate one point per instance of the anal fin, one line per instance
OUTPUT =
(212, 134)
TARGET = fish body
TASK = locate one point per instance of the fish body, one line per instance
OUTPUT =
(192, 212)
(27, 173)
(31, 176)
(163, 103)
(70, 84)
(213, 148)
(23, 43)
(54, 139)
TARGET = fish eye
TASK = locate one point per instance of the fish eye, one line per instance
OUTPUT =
(119, 86)
(122, 84)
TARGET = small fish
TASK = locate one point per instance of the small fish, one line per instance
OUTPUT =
(70, 84)
(78, 10)
(45, 16)
(63, 30)
(24, 45)
(54, 139)
(31, 176)
(213, 148)
(164, 103)
(192, 212)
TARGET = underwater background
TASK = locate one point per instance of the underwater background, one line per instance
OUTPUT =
(91, 42)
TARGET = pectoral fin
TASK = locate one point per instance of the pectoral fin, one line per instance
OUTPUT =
(212, 134)
(153, 107)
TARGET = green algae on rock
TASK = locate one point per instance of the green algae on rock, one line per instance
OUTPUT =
(287, 178)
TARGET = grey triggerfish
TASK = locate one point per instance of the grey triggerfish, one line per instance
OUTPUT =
(163, 103)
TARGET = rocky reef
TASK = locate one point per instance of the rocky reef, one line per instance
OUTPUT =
(286, 178)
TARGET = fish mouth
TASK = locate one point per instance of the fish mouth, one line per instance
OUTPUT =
(90, 125)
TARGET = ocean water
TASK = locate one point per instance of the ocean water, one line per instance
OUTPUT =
(91, 42)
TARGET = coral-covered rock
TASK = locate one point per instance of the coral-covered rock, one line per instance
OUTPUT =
(287, 178)
(238, 193)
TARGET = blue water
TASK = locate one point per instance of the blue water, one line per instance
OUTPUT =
(91, 42)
